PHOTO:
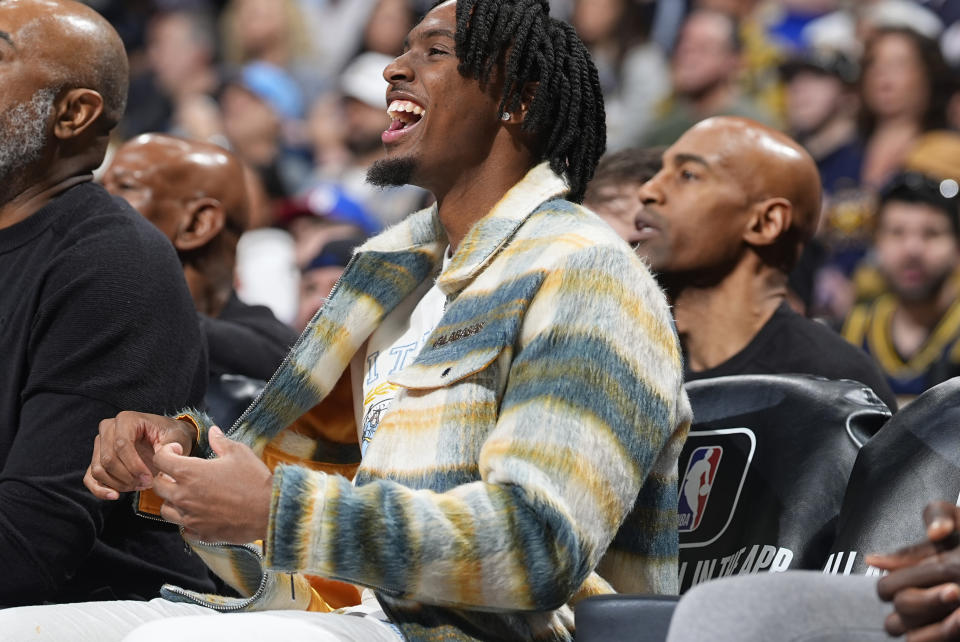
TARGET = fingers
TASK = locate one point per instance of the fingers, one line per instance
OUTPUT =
(99, 490)
(904, 557)
(100, 482)
(169, 459)
(116, 436)
(944, 631)
(171, 513)
(942, 569)
(916, 608)
(940, 518)
(219, 442)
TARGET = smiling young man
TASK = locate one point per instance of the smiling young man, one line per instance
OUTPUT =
(723, 223)
(515, 374)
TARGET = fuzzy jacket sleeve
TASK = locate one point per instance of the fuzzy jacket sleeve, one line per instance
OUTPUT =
(593, 397)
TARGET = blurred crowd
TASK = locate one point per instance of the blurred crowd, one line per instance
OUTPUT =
(295, 89)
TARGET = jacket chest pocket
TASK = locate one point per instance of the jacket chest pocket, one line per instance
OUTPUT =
(451, 358)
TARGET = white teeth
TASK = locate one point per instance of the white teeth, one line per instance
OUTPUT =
(404, 106)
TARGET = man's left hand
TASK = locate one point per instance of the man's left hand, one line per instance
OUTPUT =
(923, 583)
(226, 499)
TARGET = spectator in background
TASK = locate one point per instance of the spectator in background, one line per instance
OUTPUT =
(193, 193)
(633, 69)
(913, 331)
(822, 115)
(320, 275)
(703, 69)
(336, 29)
(94, 316)
(388, 26)
(614, 192)
(181, 53)
(256, 105)
(727, 217)
(904, 93)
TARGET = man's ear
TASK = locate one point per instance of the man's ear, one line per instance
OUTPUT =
(526, 99)
(206, 218)
(769, 221)
(76, 111)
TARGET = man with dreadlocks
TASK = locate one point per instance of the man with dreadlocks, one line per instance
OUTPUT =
(515, 375)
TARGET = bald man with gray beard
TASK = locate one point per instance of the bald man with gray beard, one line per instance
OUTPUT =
(95, 317)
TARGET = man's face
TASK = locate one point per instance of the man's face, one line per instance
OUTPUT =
(620, 205)
(443, 122)
(704, 56)
(26, 104)
(812, 100)
(916, 249)
(695, 208)
(135, 176)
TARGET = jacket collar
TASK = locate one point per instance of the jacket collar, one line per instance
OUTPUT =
(423, 231)
(491, 232)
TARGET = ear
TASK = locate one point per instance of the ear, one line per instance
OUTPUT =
(76, 111)
(769, 221)
(206, 218)
(517, 116)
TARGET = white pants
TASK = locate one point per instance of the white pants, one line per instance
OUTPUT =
(159, 620)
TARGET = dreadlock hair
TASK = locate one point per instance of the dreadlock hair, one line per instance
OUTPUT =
(566, 113)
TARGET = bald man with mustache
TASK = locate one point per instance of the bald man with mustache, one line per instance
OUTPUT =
(723, 223)
(95, 317)
(194, 193)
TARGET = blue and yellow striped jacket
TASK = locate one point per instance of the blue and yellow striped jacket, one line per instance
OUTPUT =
(531, 450)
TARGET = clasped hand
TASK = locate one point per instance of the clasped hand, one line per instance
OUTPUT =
(923, 580)
(226, 499)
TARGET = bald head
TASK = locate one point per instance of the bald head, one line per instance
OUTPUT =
(766, 164)
(171, 180)
(68, 45)
(730, 190)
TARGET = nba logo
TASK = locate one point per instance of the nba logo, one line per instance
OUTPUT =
(696, 485)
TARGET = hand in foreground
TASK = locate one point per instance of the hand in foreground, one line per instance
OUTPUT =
(923, 583)
(226, 499)
(123, 451)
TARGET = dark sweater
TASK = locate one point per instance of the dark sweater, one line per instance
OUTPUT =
(791, 344)
(95, 318)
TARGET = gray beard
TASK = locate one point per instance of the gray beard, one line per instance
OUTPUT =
(23, 130)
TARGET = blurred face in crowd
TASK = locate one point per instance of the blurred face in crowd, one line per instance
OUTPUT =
(315, 287)
(443, 123)
(250, 124)
(260, 24)
(134, 175)
(894, 78)
(597, 20)
(363, 124)
(388, 25)
(916, 249)
(696, 206)
(705, 55)
(620, 205)
(174, 50)
(812, 100)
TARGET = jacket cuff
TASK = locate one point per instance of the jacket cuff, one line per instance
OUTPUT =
(296, 513)
(202, 422)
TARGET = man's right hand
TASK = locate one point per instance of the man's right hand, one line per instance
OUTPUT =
(123, 451)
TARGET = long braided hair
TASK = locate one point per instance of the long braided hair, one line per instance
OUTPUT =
(566, 113)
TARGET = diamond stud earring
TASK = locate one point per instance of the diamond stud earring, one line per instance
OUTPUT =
(506, 116)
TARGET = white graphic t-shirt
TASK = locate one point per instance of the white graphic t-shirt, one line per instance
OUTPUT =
(392, 346)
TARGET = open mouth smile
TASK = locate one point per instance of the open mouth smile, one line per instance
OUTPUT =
(405, 115)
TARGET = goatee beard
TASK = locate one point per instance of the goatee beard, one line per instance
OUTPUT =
(392, 172)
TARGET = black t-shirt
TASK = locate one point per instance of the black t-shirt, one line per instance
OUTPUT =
(246, 340)
(791, 344)
(95, 318)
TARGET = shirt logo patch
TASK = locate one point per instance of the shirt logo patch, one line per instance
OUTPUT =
(457, 335)
(696, 486)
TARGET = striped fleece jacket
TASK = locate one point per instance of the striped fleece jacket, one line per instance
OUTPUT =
(530, 457)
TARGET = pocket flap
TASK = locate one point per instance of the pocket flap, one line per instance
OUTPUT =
(443, 363)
